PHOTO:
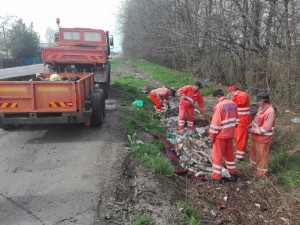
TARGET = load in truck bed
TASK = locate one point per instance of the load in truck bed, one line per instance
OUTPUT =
(66, 100)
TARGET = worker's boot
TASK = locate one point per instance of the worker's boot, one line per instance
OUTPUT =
(232, 178)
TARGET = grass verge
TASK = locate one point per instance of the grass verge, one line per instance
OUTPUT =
(287, 170)
(168, 77)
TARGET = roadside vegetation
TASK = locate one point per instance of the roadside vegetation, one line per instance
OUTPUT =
(142, 120)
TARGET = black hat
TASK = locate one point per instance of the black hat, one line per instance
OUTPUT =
(173, 91)
(218, 93)
(262, 96)
(198, 84)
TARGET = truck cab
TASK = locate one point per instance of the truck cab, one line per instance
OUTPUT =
(81, 50)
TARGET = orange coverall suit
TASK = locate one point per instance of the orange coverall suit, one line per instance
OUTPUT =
(221, 130)
(242, 101)
(261, 133)
(186, 109)
(158, 95)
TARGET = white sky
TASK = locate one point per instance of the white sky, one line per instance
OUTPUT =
(97, 14)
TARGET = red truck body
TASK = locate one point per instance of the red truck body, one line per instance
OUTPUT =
(81, 50)
(74, 46)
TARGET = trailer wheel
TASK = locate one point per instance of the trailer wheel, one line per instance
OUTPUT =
(98, 90)
(97, 109)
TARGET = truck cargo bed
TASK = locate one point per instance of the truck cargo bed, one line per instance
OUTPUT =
(44, 100)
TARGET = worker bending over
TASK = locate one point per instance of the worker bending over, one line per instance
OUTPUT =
(160, 96)
(189, 95)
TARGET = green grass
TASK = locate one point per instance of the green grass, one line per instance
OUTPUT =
(117, 64)
(190, 213)
(141, 220)
(168, 77)
(286, 169)
(150, 154)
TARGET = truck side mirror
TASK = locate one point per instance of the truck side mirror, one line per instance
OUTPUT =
(111, 41)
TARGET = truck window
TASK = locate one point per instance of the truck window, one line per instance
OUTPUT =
(71, 35)
(92, 36)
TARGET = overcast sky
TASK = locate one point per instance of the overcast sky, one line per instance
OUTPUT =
(98, 14)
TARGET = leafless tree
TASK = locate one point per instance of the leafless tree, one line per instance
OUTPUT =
(252, 43)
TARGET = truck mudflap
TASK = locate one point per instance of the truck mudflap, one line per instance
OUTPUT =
(45, 118)
(102, 79)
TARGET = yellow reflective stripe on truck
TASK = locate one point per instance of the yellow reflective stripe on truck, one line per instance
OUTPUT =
(4, 89)
(53, 88)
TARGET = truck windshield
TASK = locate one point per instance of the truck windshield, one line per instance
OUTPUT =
(92, 36)
(71, 35)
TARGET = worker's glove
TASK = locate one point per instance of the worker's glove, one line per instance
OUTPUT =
(184, 97)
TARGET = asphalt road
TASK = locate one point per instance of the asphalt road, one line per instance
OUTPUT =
(54, 174)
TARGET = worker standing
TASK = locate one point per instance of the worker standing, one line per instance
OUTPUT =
(160, 96)
(189, 95)
(262, 129)
(221, 133)
(241, 99)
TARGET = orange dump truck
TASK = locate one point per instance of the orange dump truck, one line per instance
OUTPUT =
(71, 99)
(80, 50)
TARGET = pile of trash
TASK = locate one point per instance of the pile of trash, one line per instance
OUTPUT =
(54, 77)
(193, 149)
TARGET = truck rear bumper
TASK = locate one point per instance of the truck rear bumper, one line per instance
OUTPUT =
(44, 118)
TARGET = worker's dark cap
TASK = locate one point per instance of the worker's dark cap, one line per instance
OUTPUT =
(198, 84)
(262, 96)
(173, 91)
(218, 93)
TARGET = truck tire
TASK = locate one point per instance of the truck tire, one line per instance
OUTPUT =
(97, 109)
(98, 90)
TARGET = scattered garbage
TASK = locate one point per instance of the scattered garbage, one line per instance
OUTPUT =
(55, 77)
(213, 213)
(257, 205)
(221, 205)
(296, 120)
(192, 148)
(138, 103)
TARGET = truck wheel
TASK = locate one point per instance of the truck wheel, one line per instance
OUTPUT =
(98, 90)
(97, 109)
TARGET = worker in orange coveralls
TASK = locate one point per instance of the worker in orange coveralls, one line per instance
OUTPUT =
(242, 101)
(262, 129)
(189, 95)
(161, 95)
(221, 133)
